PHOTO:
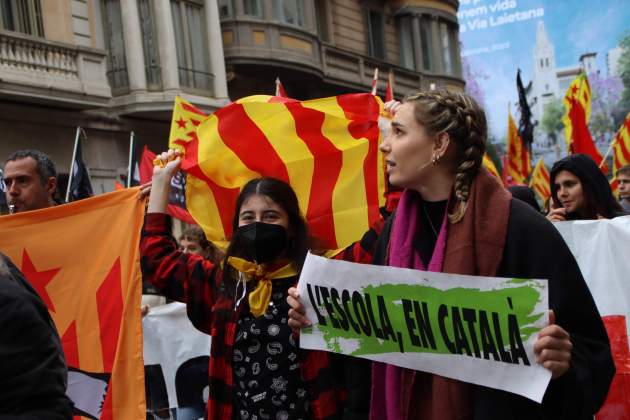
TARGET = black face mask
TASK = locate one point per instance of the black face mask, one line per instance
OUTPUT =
(261, 242)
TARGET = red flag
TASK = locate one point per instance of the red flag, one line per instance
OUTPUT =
(577, 103)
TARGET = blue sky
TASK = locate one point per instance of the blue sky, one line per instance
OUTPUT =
(574, 27)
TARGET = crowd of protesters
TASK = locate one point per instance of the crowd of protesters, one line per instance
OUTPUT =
(246, 299)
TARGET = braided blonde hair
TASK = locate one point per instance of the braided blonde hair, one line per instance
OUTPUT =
(458, 115)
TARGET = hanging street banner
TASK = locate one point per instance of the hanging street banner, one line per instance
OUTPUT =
(474, 329)
(176, 369)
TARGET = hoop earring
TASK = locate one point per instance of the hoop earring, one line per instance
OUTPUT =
(435, 159)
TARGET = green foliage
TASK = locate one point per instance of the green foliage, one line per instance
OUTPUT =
(624, 72)
(601, 124)
(551, 121)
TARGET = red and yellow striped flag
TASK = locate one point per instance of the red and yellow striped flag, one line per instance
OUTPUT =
(577, 103)
(326, 149)
(83, 260)
(518, 160)
(540, 181)
(489, 165)
(621, 146)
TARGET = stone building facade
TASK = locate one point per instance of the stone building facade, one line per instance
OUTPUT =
(108, 66)
(327, 47)
(115, 66)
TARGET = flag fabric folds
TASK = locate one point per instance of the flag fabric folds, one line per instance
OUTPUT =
(525, 126)
(540, 181)
(577, 103)
(518, 160)
(80, 186)
(621, 146)
(82, 258)
(326, 149)
(489, 165)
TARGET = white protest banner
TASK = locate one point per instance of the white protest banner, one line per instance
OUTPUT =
(601, 250)
(475, 329)
(176, 357)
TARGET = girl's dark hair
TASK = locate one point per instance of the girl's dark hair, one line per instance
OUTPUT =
(598, 196)
(283, 195)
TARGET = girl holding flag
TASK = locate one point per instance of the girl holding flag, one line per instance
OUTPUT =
(256, 368)
(455, 217)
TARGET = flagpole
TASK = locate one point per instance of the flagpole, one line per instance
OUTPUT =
(375, 81)
(74, 155)
(131, 141)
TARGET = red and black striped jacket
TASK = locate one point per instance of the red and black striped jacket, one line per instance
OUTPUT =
(195, 281)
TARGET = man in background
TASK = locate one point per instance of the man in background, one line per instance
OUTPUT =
(623, 180)
(30, 180)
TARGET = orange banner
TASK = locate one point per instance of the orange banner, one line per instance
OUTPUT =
(83, 260)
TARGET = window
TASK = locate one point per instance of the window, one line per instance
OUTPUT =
(252, 8)
(116, 62)
(321, 13)
(226, 9)
(23, 16)
(289, 11)
(191, 45)
(407, 56)
(149, 45)
(376, 33)
(447, 49)
(425, 43)
(547, 62)
(542, 63)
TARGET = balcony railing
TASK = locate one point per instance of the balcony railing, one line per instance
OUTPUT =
(39, 63)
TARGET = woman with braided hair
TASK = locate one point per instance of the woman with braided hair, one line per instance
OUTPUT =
(455, 217)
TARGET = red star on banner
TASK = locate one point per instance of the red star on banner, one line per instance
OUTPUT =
(181, 122)
(38, 279)
(574, 90)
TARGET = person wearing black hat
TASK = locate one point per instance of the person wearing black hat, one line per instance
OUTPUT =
(580, 191)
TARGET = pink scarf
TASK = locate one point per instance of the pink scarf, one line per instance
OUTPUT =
(387, 380)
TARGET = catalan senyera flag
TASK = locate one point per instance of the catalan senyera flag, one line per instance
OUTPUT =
(489, 165)
(326, 149)
(577, 103)
(518, 160)
(82, 259)
(540, 181)
(621, 146)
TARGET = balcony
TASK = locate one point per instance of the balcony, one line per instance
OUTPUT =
(53, 73)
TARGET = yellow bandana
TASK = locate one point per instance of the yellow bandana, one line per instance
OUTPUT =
(259, 297)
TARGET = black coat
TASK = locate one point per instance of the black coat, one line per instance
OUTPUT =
(535, 249)
(33, 373)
